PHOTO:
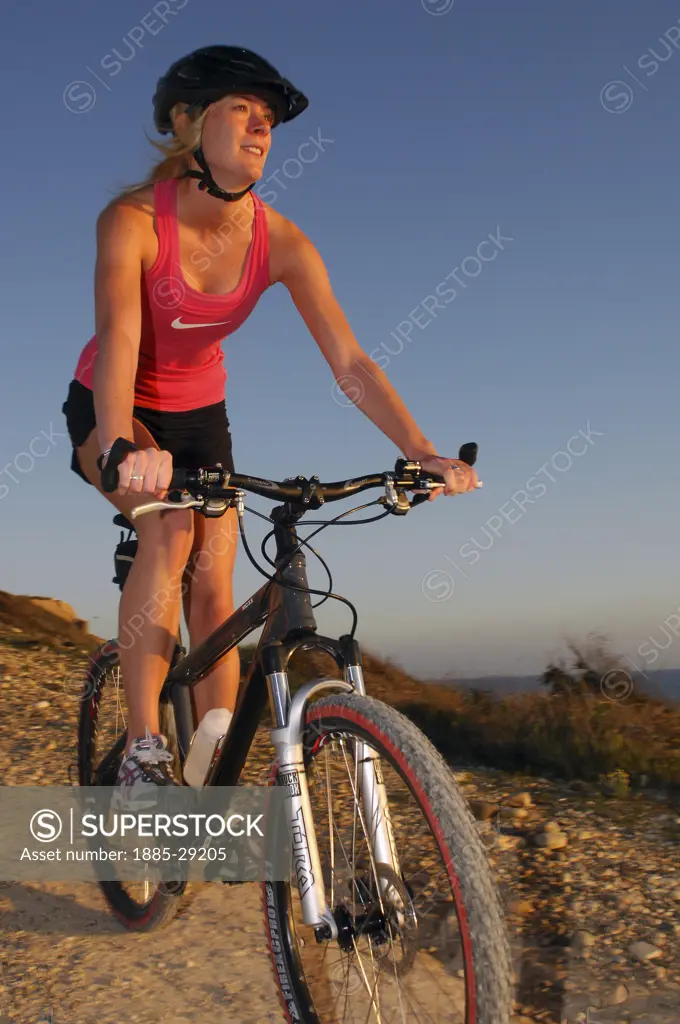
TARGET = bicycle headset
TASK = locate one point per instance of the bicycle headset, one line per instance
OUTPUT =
(208, 75)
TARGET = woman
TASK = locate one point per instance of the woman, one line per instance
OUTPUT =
(152, 381)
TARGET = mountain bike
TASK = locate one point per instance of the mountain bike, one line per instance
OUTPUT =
(391, 912)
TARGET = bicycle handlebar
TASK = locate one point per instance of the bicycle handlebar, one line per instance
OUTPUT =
(204, 481)
(213, 481)
(302, 490)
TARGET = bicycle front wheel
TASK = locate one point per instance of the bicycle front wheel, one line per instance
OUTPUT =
(425, 946)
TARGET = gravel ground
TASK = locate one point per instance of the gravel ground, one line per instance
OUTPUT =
(591, 886)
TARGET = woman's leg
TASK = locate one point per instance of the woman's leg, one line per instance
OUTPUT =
(209, 601)
(150, 605)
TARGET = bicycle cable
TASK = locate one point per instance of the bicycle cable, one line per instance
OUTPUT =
(325, 594)
(313, 550)
(333, 522)
(291, 586)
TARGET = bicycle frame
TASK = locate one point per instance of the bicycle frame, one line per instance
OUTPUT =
(290, 625)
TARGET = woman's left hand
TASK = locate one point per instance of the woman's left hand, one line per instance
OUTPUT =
(458, 476)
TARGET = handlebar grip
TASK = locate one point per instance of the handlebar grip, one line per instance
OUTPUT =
(468, 453)
(178, 480)
(109, 474)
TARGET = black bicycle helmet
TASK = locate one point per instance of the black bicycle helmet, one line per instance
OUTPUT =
(211, 73)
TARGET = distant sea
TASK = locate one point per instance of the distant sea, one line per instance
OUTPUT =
(664, 683)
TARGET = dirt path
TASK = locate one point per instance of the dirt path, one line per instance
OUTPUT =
(578, 914)
(64, 954)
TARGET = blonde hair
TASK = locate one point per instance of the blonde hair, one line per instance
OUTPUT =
(176, 154)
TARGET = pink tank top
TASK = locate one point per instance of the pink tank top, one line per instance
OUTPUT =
(181, 363)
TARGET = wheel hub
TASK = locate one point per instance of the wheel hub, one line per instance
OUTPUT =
(387, 920)
(372, 923)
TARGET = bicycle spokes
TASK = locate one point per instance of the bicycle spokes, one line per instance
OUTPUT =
(111, 730)
(397, 951)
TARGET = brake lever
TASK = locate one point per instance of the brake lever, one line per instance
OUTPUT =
(152, 506)
(396, 501)
(467, 453)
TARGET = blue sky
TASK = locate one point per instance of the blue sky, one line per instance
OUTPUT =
(443, 124)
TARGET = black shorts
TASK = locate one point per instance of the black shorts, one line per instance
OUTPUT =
(198, 437)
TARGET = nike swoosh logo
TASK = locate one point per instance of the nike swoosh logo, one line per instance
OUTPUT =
(178, 325)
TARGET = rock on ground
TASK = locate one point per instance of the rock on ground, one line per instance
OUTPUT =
(574, 913)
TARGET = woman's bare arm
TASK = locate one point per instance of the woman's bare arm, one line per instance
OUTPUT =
(298, 265)
(118, 319)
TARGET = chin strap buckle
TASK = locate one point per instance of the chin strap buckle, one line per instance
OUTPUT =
(207, 183)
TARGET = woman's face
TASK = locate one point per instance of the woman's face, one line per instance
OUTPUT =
(236, 137)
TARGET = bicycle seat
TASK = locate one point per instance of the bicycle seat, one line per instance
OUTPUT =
(121, 521)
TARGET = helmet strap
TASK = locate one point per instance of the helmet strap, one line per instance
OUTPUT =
(207, 183)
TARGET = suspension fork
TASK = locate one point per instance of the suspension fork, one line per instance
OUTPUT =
(294, 614)
(373, 793)
(287, 739)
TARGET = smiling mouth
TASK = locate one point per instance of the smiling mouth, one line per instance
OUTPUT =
(257, 150)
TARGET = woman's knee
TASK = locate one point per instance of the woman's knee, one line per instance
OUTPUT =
(169, 535)
(211, 600)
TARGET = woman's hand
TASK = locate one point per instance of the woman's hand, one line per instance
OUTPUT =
(147, 471)
(458, 476)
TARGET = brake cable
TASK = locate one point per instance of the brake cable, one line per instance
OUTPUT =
(304, 542)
